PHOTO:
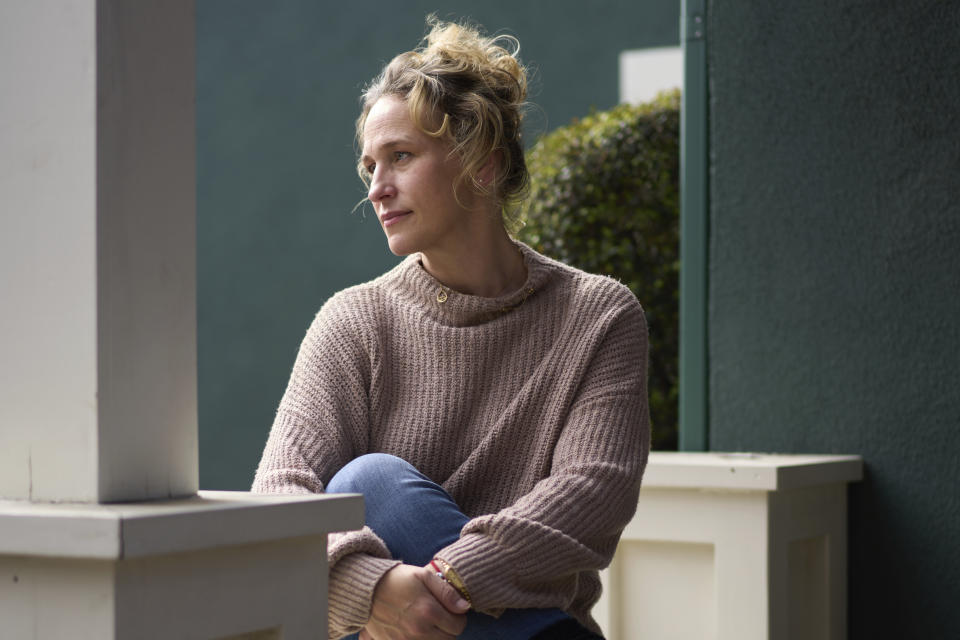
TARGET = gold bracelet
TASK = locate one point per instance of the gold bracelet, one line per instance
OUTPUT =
(453, 578)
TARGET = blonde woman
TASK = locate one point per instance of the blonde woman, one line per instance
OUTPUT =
(490, 403)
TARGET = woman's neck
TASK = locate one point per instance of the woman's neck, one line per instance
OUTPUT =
(487, 265)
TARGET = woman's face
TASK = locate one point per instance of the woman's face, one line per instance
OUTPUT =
(412, 182)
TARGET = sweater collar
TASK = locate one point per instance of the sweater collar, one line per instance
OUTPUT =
(423, 292)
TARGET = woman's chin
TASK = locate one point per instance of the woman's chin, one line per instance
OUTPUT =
(399, 247)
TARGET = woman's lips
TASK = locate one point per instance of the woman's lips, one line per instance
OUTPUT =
(393, 217)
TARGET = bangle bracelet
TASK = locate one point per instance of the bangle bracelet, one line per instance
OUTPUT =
(451, 576)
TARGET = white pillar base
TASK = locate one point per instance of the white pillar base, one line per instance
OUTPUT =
(733, 546)
(219, 565)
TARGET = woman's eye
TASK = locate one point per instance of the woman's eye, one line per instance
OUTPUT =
(370, 167)
(400, 155)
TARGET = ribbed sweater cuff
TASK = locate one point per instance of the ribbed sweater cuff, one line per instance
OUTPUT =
(352, 581)
(471, 557)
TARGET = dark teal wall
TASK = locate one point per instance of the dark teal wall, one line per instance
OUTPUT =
(834, 321)
(277, 90)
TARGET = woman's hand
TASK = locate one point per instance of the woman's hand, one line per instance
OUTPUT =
(413, 603)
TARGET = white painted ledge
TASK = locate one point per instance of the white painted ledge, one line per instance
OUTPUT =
(224, 565)
(750, 471)
(208, 520)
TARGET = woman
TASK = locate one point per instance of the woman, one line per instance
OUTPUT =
(490, 403)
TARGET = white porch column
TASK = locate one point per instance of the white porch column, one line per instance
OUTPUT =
(98, 404)
(97, 246)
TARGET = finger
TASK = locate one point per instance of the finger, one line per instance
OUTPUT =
(449, 597)
(443, 635)
(367, 634)
(429, 619)
(449, 625)
(449, 616)
(456, 631)
(434, 633)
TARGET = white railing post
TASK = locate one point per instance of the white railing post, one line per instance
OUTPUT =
(733, 546)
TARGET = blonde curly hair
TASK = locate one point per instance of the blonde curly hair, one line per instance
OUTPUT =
(470, 90)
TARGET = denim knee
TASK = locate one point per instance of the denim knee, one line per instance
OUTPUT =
(367, 472)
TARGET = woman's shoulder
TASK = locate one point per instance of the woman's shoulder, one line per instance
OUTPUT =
(587, 292)
(360, 306)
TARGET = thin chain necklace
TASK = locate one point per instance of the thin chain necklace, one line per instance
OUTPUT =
(443, 293)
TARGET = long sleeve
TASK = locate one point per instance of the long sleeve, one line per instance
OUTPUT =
(323, 415)
(532, 553)
(321, 425)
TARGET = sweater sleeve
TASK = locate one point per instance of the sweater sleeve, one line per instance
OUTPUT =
(531, 553)
(321, 424)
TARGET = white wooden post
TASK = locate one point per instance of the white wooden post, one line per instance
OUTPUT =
(98, 403)
(98, 390)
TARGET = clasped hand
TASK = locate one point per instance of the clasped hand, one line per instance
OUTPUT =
(414, 603)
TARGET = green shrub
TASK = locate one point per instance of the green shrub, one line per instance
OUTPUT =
(605, 199)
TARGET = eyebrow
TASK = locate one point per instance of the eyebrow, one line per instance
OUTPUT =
(388, 145)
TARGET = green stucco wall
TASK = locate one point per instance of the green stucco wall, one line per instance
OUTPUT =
(834, 321)
(277, 94)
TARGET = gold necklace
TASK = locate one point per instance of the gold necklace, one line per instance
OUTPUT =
(443, 294)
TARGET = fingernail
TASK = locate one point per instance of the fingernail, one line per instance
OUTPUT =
(463, 604)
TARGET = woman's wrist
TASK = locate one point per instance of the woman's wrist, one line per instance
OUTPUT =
(448, 573)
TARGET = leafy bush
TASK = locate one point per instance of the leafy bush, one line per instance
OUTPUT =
(605, 198)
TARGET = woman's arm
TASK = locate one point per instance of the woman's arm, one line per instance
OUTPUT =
(322, 417)
(321, 424)
(530, 553)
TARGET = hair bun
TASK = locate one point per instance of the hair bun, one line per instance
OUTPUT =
(464, 46)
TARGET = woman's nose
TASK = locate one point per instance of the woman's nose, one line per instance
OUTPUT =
(380, 187)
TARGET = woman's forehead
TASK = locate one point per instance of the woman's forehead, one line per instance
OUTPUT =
(388, 118)
(389, 124)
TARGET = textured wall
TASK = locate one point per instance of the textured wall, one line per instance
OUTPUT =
(835, 271)
(277, 90)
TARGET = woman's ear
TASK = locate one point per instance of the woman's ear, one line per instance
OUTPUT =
(488, 172)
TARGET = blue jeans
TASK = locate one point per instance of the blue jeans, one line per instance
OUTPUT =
(415, 517)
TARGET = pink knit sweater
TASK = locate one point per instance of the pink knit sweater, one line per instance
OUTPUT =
(529, 409)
